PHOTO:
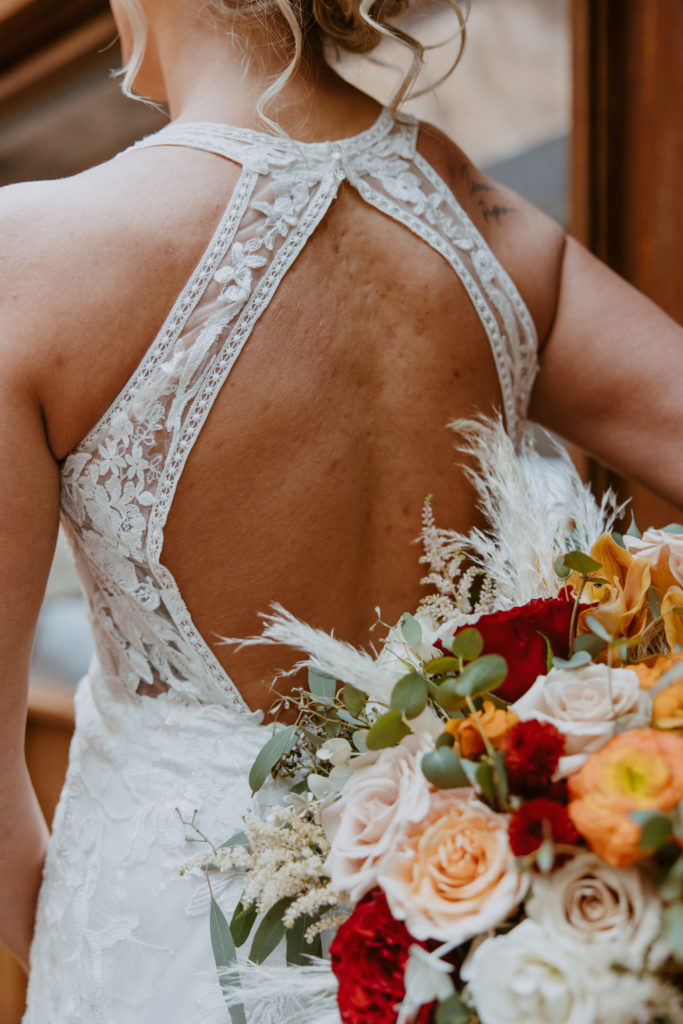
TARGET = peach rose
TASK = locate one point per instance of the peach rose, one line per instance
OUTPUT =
(650, 670)
(622, 606)
(495, 722)
(454, 875)
(667, 707)
(664, 551)
(637, 770)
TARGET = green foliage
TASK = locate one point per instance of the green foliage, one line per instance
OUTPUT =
(224, 953)
(411, 629)
(562, 570)
(468, 644)
(239, 839)
(269, 755)
(577, 660)
(486, 673)
(409, 695)
(269, 932)
(321, 685)
(298, 950)
(673, 928)
(633, 530)
(653, 602)
(440, 666)
(591, 643)
(242, 922)
(598, 628)
(453, 1011)
(388, 730)
(353, 698)
(656, 828)
(442, 767)
(577, 561)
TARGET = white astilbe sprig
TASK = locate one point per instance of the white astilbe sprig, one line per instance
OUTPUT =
(284, 859)
(535, 509)
(326, 654)
(312, 987)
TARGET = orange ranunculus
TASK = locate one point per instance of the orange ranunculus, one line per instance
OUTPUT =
(637, 770)
(667, 707)
(652, 669)
(496, 723)
(622, 606)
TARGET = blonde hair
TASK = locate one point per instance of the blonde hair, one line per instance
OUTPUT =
(357, 26)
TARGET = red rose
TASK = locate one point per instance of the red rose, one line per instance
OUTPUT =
(518, 635)
(536, 819)
(369, 954)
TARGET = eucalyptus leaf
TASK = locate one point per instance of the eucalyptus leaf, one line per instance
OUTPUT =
(673, 928)
(387, 731)
(618, 539)
(446, 695)
(598, 628)
(411, 628)
(452, 1011)
(656, 828)
(467, 644)
(500, 778)
(321, 685)
(239, 839)
(440, 666)
(353, 698)
(446, 739)
(242, 922)
(577, 660)
(672, 528)
(545, 856)
(486, 673)
(225, 954)
(298, 950)
(409, 695)
(589, 642)
(633, 530)
(269, 755)
(672, 886)
(562, 570)
(442, 768)
(269, 932)
(579, 562)
(483, 777)
(350, 719)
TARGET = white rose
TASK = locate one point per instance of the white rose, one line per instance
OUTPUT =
(385, 794)
(583, 704)
(659, 546)
(528, 977)
(587, 900)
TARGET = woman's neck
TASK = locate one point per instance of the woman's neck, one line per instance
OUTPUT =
(211, 73)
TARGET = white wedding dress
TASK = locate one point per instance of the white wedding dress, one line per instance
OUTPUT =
(121, 937)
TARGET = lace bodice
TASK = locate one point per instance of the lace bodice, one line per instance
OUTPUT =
(118, 484)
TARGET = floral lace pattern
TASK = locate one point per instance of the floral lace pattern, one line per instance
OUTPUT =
(118, 937)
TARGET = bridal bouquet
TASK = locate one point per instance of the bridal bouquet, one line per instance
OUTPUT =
(486, 817)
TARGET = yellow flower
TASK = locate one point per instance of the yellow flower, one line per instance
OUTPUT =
(673, 623)
(622, 606)
(667, 707)
(496, 723)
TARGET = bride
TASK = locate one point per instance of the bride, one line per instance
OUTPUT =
(229, 355)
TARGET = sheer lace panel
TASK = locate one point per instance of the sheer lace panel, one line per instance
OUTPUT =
(119, 483)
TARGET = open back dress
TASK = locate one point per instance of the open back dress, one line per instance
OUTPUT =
(121, 937)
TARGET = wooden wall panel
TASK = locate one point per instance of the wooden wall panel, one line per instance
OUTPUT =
(627, 149)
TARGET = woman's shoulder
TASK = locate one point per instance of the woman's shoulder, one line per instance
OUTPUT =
(529, 244)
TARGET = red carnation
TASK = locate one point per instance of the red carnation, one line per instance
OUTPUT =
(532, 752)
(369, 954)
(537, 819)
(518, 635)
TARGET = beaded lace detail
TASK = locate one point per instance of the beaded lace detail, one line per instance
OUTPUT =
(120, 937)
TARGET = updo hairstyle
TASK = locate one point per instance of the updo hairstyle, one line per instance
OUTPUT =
(357, 26)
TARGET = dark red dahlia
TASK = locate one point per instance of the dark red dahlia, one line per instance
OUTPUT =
(532, 752)
(369, 955)
(518, 635)
(537, 819)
